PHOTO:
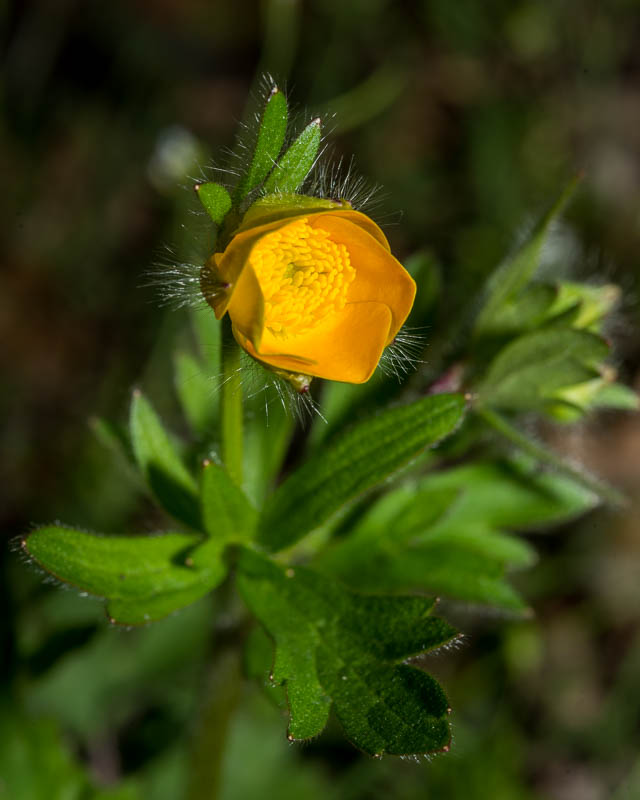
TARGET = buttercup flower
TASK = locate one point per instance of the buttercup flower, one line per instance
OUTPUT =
(311, 287)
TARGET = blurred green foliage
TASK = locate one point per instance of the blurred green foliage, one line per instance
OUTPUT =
(471, 115)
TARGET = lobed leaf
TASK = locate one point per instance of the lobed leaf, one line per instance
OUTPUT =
(334, 646)
(294, 166)
(142, 577)
(168, 478)
(273, 127)
(353, 463)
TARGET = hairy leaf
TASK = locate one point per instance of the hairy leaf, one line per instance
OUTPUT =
(353, 463)
(215, 199)
(170, 481)
(273, 127)
(294, 166)
(336, 646)
(142, 577)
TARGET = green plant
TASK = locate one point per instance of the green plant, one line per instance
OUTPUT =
(398, 493)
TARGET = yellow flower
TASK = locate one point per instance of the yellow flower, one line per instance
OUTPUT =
(311, 287)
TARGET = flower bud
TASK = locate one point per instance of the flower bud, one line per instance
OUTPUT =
(311, 288)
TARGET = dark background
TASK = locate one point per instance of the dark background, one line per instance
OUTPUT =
(472, 116)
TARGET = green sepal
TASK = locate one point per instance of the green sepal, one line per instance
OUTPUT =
(143, 578)
(294, 166)
(335, 646)
(271, 134)
(355, 462)
(168, 478)
(274, 207)
(215, 199)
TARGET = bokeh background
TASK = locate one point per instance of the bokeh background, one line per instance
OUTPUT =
(471, 115)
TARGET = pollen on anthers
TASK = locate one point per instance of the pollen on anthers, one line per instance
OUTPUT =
(304, 277)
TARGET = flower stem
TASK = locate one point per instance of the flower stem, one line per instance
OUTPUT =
(231, 406)
(219, 704)
(606, 493)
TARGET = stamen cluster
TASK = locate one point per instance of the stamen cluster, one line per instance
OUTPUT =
(304, 277)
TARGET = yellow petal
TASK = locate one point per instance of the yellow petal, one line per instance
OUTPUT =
(380, 277)
(347, 347)
(359, 219)
(230, 265)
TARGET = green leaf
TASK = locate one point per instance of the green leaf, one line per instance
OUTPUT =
(514, 273)
(166, 475)
(294, 166)
(456, 571)
(142, 577)
(336, 646)
(511, 494)
(196, 392)
(446, 534)
(97, 686)
(353, 463)
(530, 371)
(525, 310)
(273, 127)
(215, 199)
(258, 662)
(617, 395)
(591, 303)
(34, 762)
(226, 513)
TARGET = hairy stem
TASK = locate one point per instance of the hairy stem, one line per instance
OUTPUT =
(231, 406)
(502, 426)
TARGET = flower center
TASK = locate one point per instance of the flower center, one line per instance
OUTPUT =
(304, 277)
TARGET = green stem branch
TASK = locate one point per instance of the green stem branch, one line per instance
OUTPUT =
(502, 426)
(231, 408)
